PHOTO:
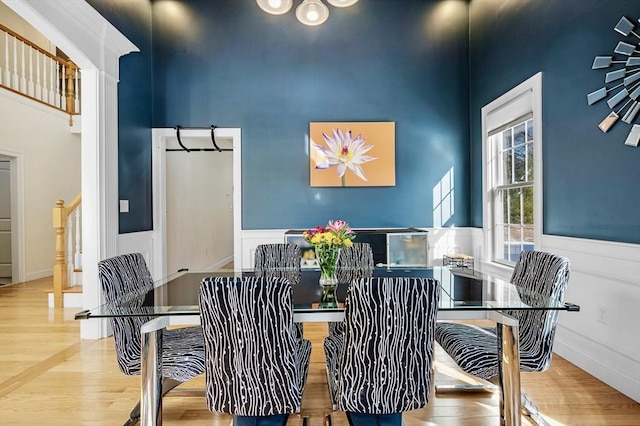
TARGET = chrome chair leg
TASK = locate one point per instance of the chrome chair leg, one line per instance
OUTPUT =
(134, 416)
(333, 405)
(459, 388)
(530, 410)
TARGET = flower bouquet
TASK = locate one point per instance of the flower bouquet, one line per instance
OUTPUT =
(327, 242)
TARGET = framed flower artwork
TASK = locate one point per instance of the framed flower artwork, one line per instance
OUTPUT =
(352, 154)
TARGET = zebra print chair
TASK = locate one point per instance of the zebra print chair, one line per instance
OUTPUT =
(353, 262)
(278, 260)
(474, 349)
(256, 364)
(125, 280)
(386, 351)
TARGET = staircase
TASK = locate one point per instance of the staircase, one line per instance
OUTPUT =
(67, 270)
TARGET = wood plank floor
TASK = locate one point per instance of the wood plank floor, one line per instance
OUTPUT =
(49, 376)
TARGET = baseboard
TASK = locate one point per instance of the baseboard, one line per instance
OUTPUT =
(36, 275)
(615, 378)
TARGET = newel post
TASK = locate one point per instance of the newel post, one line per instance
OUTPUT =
(60, 266)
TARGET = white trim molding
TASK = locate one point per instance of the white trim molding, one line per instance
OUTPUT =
(159, 136)
(523, 99)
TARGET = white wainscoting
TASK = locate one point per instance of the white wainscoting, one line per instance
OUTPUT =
(605, 280)
(143, 243)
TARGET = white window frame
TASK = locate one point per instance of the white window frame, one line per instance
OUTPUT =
(526, 98)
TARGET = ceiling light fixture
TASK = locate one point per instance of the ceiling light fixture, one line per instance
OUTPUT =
(342, 3)
(275, 7)
(309, 12)
(312, 12)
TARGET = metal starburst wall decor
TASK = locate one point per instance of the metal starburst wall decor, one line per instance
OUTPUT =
(352, 154)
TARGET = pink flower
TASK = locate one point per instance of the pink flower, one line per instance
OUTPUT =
(345, 152)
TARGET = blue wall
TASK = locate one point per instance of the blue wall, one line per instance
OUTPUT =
(591, 179)
(228, 63)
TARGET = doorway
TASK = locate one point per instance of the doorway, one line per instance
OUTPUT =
(5, 221)
(197, 195)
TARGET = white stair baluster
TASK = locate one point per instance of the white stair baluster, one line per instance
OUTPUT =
(52, 85)
(23, 70)
(38, 94)
(78, 234)
(4, 61)
(30, 85)
(76, 88)
(15, 79)
(69, 237)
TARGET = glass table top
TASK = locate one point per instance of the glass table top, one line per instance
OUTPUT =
(461, 289)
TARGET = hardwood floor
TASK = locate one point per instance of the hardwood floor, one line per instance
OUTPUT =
(49, 376)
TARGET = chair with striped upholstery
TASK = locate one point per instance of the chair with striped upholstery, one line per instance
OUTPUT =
(125, 280)
(278, 260)
(536, 275)
(354, 262)
(256, 363)
(385, 353)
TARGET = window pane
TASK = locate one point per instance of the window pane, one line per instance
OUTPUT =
(519, 166)
(529, 162)
(529, 130)
(527, 206)
(507, 163)
(528, 236)
(514, 205)
(505, 207)
(506, 139)
(519, 134)
(507, 247)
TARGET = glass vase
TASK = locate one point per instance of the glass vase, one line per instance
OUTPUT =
(327, 261)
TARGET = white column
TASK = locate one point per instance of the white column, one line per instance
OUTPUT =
(99, 187)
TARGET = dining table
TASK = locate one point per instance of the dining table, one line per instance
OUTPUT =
(466, 294)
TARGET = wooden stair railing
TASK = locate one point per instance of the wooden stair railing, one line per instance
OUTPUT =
(31, 71)
(62, 222)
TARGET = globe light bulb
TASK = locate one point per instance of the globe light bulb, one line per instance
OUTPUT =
(275, 3)
(312, 12)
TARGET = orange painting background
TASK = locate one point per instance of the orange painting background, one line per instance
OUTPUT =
(379, 172)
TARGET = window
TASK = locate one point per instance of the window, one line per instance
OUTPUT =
(512, 172)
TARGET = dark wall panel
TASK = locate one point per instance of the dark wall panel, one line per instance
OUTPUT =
(590, 178)
(133, 19)
(228, 63)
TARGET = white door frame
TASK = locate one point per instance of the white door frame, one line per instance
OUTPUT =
(160, 136)
(16, 164)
